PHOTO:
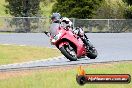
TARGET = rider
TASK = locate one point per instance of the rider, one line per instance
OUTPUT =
(64, 22)
(55, 19)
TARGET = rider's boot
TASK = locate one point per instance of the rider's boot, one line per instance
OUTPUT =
(88, 43)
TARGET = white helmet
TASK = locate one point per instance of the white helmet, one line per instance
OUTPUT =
(65, 22)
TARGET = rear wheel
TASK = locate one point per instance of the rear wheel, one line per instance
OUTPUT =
(92, 53)
(69, 52)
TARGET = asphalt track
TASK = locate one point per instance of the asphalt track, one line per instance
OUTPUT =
(110, 46)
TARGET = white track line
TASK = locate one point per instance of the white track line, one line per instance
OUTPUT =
(56, 66)
(6, 44)
(49, 59)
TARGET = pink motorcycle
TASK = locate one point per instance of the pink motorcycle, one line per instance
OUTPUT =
(71, 45)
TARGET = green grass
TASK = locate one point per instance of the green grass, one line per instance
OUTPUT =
(62, 78)
(14, 53)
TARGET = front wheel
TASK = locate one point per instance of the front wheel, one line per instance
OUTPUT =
(69, 52)
(92, 53)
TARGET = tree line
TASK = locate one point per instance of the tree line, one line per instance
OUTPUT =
(82, 9)
(103, 9)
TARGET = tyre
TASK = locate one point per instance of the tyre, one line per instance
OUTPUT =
(92, 53)
(69, 52)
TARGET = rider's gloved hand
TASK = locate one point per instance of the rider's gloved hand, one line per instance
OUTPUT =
(76, 31)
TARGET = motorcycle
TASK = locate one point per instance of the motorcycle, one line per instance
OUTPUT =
(71, 45)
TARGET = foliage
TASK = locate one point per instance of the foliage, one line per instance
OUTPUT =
(46, 7)
(76, 8)
(129, 2)
(2, 8)
(111, 10)
(23, 7)
(128, 12)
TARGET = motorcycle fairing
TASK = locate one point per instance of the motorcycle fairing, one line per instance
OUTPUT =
(76, 41)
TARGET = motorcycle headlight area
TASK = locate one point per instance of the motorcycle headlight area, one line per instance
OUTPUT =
(56, 37)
